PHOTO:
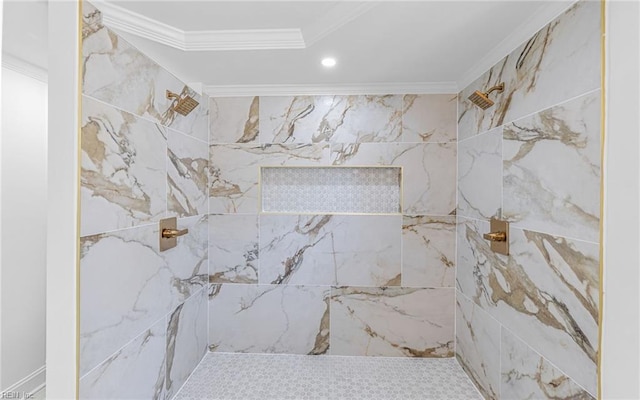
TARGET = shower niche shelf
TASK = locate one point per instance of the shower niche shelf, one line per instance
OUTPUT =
(331, 190)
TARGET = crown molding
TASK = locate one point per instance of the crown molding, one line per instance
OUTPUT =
(331, 89)
(23, 67)
(521, 34)
(124, 20)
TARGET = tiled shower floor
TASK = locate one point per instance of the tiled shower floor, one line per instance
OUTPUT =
(226, 376)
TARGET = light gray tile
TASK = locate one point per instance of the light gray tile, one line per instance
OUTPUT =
(277, 376)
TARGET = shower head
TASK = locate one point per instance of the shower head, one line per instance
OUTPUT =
(482, 100)
(182, 104)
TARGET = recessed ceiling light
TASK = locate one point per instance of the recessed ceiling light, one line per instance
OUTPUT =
(329, 62)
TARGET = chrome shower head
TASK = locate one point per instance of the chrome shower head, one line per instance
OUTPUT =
(482, 100)
(182, 104)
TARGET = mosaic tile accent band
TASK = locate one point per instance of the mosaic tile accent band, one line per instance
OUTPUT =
(371, 190)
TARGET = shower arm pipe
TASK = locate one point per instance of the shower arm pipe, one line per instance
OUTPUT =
(499, 88)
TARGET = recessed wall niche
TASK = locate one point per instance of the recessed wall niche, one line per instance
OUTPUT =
(331, 190)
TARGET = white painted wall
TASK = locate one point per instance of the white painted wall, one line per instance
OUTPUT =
(62, 200)
(1, 19)
(621, 325)
(24, 178)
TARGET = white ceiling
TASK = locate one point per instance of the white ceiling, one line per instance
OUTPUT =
(383, 43)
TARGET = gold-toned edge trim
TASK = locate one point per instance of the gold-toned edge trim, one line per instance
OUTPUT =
(78, 198)
(603, 105)
(401, 184)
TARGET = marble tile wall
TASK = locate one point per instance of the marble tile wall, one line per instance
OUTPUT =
(143, 313)
(321, 283)
(534, 160)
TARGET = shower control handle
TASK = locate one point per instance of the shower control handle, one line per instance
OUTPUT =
(495, 236)
(172, 233)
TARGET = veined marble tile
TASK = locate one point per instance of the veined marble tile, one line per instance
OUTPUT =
(235, 169)
(405, 322)
(269, 319)
(187, 175)
(480, 175)
(136, 371)
(233, 119)
(429, 171)
(428, 251)
(527, 375)
(552, 170)
(325, 249)
(233, 248)
(341, 119)
(127, 284)
(559, 62)
(186, 340)
(123, 180)
(545, 291)
(429, 118)
(117, 73)
(478, 346)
